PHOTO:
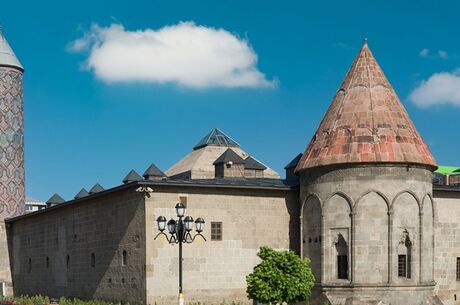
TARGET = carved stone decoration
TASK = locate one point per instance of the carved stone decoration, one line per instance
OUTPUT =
(12, 194)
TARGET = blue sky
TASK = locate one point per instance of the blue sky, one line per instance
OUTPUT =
(81, 129)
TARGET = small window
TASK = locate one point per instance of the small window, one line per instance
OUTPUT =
(402, 265)
(30, 265)
(93, 260)
(458, 268)
(124, 258)
(47, 262)
(68, 261)
(216, 230)
(342, 267)
(183, 200)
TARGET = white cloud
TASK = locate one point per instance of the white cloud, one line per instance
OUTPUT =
(442, 54)
(440, 88)
(424, 53)
(185, 54)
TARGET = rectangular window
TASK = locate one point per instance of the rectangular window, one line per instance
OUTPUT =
(216, 231)
(402, 265)
(183, 200)
(458, 268)
(342, 267)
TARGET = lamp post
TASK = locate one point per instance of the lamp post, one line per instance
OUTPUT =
(180, 233)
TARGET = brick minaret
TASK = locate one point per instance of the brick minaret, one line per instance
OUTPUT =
(12, 195)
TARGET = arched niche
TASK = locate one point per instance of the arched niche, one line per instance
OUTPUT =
(337, 236)
(427, 251)
(405, 231)
(312, 239)
(370, 239)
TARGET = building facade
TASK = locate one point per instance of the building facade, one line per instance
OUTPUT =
(359, 202)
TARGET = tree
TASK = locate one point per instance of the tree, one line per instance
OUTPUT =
(282, 276)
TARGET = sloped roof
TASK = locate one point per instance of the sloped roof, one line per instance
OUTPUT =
(448, 170)
(366, 123)
(7, 56)
(82, 193)
(229, 156)
(153, 171)
(216, 138)
(55, 199)
(251, 163)
(294, 162)
(96, 189)
(132, 176)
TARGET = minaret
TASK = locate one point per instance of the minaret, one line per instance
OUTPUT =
(366, 193)
(12, 194)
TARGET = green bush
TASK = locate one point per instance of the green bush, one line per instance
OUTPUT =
(281, 277)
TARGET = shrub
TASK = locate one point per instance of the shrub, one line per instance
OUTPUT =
(281, 277)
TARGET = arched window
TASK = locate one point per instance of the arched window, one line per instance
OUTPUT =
(124, 258)
(93, 260)
(342, 257)
(404, 255)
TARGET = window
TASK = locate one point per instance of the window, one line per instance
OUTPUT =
(47, 262)
(402, 265)
(30, 265)
(124, 258)
(183, 200)
(458, 268)
(216, 231)
(342, 267)
(68, 261)
(93, 260)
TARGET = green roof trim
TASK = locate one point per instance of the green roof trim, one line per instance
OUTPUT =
(448, 170)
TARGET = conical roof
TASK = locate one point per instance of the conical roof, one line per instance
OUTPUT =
(7, 56)
(82, 193)
(132, 176)
(153, 171)
(366, 123)
(96, 189)
(216, 138)
(55, 199)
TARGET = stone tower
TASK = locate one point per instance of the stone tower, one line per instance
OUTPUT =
(366, 193)
(12, 195)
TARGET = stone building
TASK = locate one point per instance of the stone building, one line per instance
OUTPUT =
(359, 203)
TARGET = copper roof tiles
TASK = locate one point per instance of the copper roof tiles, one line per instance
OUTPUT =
(366, 122)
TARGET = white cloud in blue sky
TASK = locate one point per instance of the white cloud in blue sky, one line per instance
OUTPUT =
(186, 54)
(426, 53)
(440, 88)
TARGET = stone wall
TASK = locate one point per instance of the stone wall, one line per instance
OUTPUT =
(373, 214)
(447, 245)
(215, 271)
(76, 250)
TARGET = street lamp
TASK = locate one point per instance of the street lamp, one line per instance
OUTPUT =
(180, 232)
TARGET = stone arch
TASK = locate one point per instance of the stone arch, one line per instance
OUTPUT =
(385, 198)
(405, 223)
(406, 192)
(427, 239)
(337, 237)
(312, 225)
(370, 239)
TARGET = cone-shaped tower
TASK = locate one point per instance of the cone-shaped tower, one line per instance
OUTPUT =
(365, 185)
(366, 123)
(12, 195)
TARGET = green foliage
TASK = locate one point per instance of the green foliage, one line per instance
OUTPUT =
(281, 277)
